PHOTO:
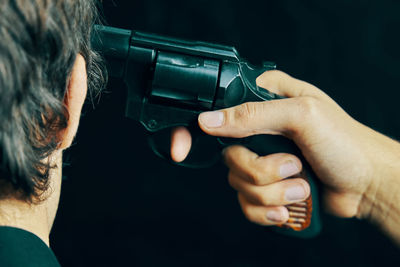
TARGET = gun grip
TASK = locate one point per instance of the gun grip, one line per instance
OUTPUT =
(304, 220)
(311, 227)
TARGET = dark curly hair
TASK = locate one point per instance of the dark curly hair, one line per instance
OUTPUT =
(40, 40)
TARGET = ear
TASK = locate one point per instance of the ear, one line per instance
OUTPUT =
(74, 99)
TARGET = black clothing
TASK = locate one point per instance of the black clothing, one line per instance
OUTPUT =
(20, 248)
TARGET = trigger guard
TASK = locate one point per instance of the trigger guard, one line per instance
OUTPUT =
(190, 161)
(153, 146)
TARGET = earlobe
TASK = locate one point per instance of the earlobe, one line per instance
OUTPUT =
(74, 99)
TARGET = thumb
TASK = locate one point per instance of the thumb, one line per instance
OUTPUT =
(251, 118)
(283, 116)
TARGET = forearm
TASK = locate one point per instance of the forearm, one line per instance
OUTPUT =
(381, 202)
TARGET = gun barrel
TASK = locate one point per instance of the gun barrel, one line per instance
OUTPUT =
(113, 44)
(193, 48)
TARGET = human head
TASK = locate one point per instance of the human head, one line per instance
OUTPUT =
(44, 45)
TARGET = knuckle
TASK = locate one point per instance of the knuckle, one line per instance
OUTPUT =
(271, 79)
(228, 155)
(261, 174)
(247, 213)
(233, 156)
(255, 177)
(233, 150)
(308, 110)
(281, 197)
(279, 74)
(309, 107)
(231, 181)
(264, 199)
(244, 112)
(275, 74)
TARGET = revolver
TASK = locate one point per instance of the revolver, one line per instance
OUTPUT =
(170, 81)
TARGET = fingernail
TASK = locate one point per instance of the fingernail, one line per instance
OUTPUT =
(274, 216)
(212, 119)
(288, 169)
(295, 193)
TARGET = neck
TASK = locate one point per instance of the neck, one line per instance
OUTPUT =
(35, 218)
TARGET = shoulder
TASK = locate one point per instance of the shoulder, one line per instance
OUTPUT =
(22, 248)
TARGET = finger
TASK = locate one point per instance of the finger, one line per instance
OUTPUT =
(283, 117)
(277, 194)
(285, 85)
(181, 141)
(261, 170)
(263, 215)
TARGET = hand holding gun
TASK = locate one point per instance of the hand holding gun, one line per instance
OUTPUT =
(171, 81)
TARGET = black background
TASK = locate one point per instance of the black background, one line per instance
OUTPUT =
(122, 206)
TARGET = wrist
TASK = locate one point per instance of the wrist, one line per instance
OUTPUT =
(380, 203)
(380, 206)
(372, 203)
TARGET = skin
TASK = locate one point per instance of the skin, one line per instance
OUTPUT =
(39, 218)
(358, 167)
